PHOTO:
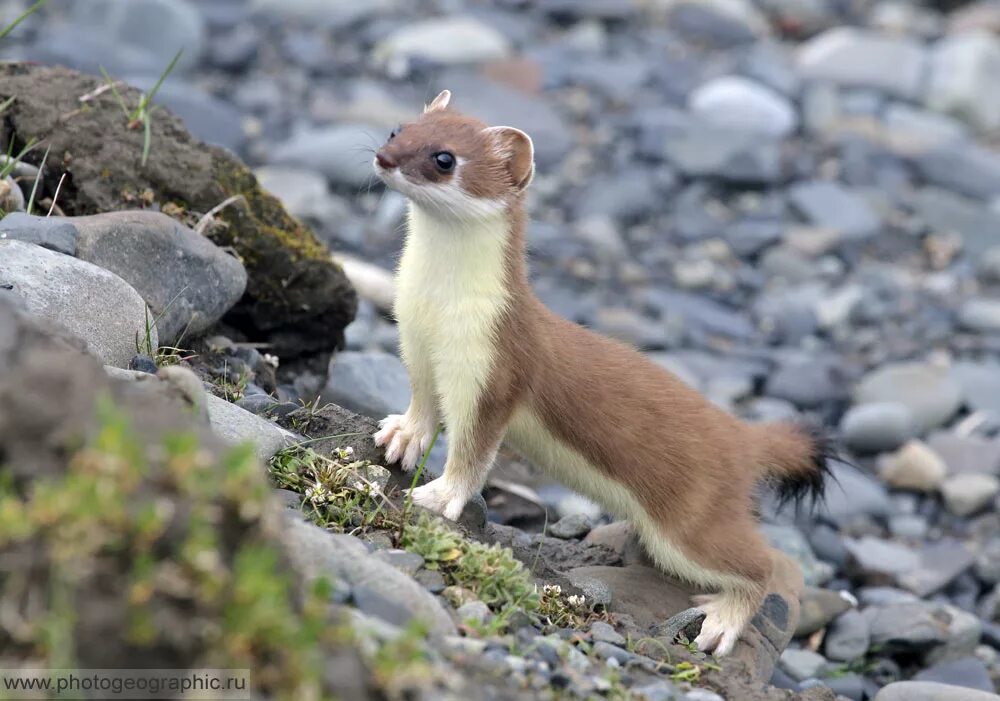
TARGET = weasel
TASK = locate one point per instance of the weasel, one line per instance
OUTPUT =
(491, 362)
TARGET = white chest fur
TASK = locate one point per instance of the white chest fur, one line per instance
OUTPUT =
(451, 293)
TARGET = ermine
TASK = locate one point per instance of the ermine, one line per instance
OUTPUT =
(491, 362)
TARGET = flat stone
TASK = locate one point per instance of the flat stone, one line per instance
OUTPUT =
(372, 383)
(851, 493)
(965, 672)
(878, 561)
(745, 105)
(967, 493)
(53, 233)
(966, 453)
(941, 562)
(406, 562)
(877, 427)
(818, 608)
(801, 664)
(981, 315)
(237, 425)
(964, 68)
(92, 303)
(601, 631)
(331, 150)
(980, 383)
(965, 168)
(443, 41)
(848, 638)
(572, 526)
(907, 627)
(832, 206)
(915, 466)
(928, 391)
(864, 59)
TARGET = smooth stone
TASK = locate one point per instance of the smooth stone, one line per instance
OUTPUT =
(847, 638)
(832, 206)
(475, 611)
(809, 383)
(941, 562)
(965, 672)
(317, 553)
(237, 425)
(965, 494)
(442, 41)
(372, 383)
(601, 631)
(687, 622)
(187, 281)
(930, 691)
(914, 466)
(987, 566)
(11, 197)
(970, 453)
(864, 59)
(745, 105)
(851, 493)
(944, 211)
(336, 151)
(305, 193)
(878, 561)
(54, 233)
(877, 427)
(964, 71)
(965, 168)
(572, 526)
(406, 562)
(928, 391)
(326, 13)
(818, 608)
(789, 540)
(980, 315)
(980, 383)
(906, 627)
(801, 664)
(89, 301)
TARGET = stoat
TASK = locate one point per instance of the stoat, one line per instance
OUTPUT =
(491, 362)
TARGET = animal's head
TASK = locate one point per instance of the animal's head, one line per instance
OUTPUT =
(454, 165)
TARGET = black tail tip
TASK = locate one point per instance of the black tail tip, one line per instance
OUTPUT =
(810, 487)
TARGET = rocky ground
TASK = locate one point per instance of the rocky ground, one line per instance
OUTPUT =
(792, 204)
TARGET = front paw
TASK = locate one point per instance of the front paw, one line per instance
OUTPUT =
(438, 497)
(403, 439)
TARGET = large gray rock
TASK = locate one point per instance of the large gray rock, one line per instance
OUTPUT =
(863, 59)
(929, 392)
(873, 428)
(187, 281)
(964, 72)
(237, 425)
(832, 206)
(93, 303)
(53, 233)
(372, 383)
(931, 691)
(318, 553)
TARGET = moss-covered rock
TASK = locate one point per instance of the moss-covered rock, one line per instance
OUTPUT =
(297, 298)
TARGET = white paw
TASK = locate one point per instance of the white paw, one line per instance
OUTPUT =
(404, 440)
(721, 628)
(440, 498)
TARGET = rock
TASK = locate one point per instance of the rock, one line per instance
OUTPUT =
(848, 638)
(801, 664)
(11, 197)
(304, 192)
(297, 300)
(809, 383)
(442, 41)
(966, 494)
(862, 59)
(790, 541)
(431, 580)
(604, 632)
(326, 13)
(186, 280)
(372, 383)
(818, 608)
(851, 493)
(965, 168)
(980, 383)
(126, 36)
(914, 466)
(94, 304)
(980, 315)
(717, 22)
(966, 453)
(913, 130)
(743, 105)
(336, 151)
(945, 211)
(879, 561)
(572, 526)
(687, 622)
(406, 562)
(53, 233)
(987, 567)
(596, 592)
(832, 206)
(877, 427)
(319, 553)
(941, 562)
(930, 691)
(907, 627)
(963, 69)
(929, 392)
(474, 611)
(237, 425)
(967, 673)
(701, 150)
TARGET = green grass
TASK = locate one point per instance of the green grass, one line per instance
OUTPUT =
(23, 16)
(38, 179)
(142, 114)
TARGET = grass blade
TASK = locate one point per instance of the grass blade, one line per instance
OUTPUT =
(147, 139)
(38, 179)
(114, 91)
(156, 88)
(8, 167)
(5, 105)
(24, 15)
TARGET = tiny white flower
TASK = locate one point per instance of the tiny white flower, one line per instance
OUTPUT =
(271, 360)
(576, 600)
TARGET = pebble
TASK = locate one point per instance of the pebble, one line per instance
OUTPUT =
(848, 638)
(981, 315)
(930, 691)
(744, 105)
(914, 466)
(573, 526)
(963, 67)
(373, 383)
(404, 561)
(442, 41)
(834, 207)
(966, 494)
(475, 611)
(877, 427)
(965, 672)
(927, 391)
(801, 664)
(601, 631)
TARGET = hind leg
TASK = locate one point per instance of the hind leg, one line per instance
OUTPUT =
(726, 616)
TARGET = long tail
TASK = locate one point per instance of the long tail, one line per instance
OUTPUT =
(793, 457)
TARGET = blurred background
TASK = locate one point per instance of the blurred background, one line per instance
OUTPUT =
(792, 204)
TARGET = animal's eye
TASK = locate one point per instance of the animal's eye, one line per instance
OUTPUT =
(444, 160)
(395, 132)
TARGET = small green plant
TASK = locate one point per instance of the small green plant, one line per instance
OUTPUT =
(20, 18)
(142, 115)
(232, 390)
(11, 161)
(38, 179)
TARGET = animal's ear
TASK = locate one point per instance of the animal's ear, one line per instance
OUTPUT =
(440, 102)
(515, 147)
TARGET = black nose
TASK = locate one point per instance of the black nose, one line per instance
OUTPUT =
(385, 160)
